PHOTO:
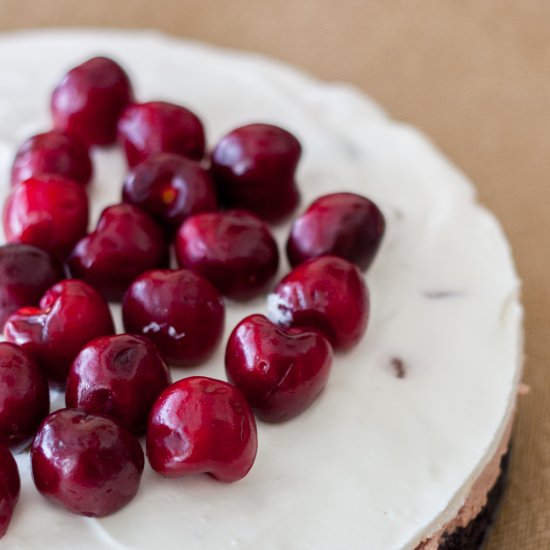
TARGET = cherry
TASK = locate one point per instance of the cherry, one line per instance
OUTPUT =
(71, 314)
(119, 377)
(254, 169)
(326, 293)
(234, 250)
(179, 311)
(48, 212)
(10, 488)
(170, 188)
(341, 224)
(126, 242)
(24, 395)
(89, 99)
(54, 153)
(202, 425)
(26, 272)
(279, 372)
(86, 463)
(146, 129)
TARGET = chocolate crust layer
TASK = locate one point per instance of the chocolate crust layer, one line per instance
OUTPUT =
(474, 535)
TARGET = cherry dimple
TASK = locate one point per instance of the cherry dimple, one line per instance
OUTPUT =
(147, 129)
(71, 313)
(26, 272)
(126, 243)
(234, 250)
(179, 311)
(55, 153)
(254, 168)
(49, 212)
(170, 188)
(202, 425)
(341, 224)
(326, 293)
(279, 372)
(118, 376)
(86, 463)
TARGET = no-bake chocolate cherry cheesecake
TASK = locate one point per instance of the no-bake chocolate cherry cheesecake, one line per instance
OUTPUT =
(382, 369)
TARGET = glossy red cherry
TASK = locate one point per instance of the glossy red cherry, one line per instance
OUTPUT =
(326, 293)
(26, 272)
(24, 395)
(147, 129)
(234, 250)
(48, 212)
(279, 372)
(86, 463)
(179, 311)
(202, 425)
(10, 487)
(254, 169)
(54, 153)
(118, 376)
(170, 188)
(89, 99)
(341, 224)
(126, 243)
(71, 314)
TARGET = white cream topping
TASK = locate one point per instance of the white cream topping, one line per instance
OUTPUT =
(378, 462)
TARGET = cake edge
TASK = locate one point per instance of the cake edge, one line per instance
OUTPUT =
(479, 509)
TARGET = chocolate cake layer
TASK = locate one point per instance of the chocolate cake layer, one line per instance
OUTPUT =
(474, 535)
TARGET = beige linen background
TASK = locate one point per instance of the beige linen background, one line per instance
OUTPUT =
(474, 75)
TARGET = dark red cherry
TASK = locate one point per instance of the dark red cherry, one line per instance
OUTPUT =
(341, 224)
(234, 250)
(55, 153)
(279, 372)
(202, 425)
(147, 129)
(254, 169)
(179, 311)
(26, 272)
(86, 463)
(170, 188)
(10, 488)
(24, 395)
(126, 243)
(326, 293)
(89, 99)
(118, 376)
(48, 212)
(71, 314)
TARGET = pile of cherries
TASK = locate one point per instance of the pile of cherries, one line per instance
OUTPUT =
(215, 209)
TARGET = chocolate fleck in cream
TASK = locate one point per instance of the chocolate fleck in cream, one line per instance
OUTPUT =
(398, 366)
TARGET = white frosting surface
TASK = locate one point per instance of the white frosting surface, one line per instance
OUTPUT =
(378, 462)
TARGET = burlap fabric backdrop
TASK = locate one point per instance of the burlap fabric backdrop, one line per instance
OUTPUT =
(475, 76)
